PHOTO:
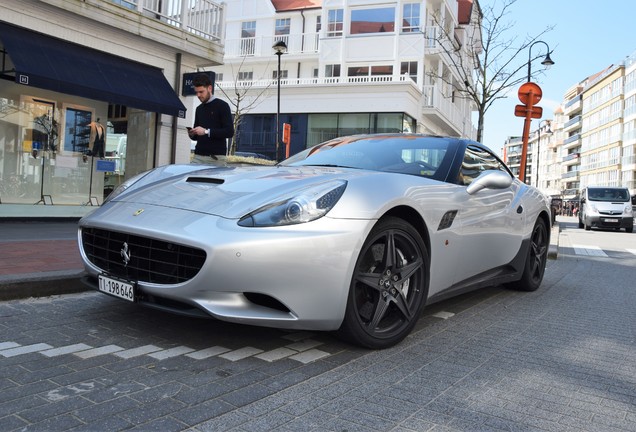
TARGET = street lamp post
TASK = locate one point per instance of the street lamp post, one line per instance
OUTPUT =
(547, 61)
(279, 49)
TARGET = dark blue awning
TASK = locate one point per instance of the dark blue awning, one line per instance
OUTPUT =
(49, 63)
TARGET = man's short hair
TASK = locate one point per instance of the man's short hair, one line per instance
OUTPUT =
(201, 80)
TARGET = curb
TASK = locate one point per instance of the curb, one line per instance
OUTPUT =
(42, 285)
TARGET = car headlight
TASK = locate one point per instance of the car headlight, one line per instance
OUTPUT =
(305, 206)
(125, 185)
(628, 210)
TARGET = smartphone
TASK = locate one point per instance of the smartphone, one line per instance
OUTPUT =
(188, 128)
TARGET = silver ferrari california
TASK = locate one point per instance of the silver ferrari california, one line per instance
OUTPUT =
(354, 235)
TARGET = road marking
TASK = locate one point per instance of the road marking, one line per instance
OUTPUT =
(309, 356)
(443, 315)
(276, 354)
(108, 349)
(69, 349)
(241, 353)
(303, 351)
(136, 352)
(589, 250)
(27, 349)
(172, 352)
(208, 352)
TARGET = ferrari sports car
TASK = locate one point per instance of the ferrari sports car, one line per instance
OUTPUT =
(355, 235)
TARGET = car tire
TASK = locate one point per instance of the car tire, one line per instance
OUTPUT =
(580, 223)
(586, 225)
(534, 268)
(388, 290)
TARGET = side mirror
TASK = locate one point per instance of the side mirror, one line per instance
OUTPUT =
(489, 180)
(582, 200)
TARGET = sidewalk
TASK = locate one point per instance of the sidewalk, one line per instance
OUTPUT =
(41, 258)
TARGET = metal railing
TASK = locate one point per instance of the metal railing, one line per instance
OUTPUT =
(261, 46)
(204, 18)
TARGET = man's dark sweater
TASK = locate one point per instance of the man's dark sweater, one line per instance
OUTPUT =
(216, 116)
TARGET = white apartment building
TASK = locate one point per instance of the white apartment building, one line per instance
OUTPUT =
(69, 64)
(591, 139)
(351, 66)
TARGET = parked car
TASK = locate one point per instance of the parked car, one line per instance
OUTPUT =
(355, 235)
(606, 207)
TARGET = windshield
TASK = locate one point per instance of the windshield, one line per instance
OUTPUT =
(608, 194)
(406, 154)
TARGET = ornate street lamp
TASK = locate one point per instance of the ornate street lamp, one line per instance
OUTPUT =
(280, 48)
(547, 61)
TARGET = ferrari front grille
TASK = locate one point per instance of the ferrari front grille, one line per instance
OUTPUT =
(139, 258)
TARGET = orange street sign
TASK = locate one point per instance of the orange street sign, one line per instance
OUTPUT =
(530, 93)
(535, 111)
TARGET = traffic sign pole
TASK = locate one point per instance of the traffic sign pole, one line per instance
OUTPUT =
(529, 94)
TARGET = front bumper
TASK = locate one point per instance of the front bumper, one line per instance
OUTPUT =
(294, 277)
(606, 221)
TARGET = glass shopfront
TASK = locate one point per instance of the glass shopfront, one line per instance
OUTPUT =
(48, 150)
(67, 116)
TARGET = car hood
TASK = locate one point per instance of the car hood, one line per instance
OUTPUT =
(233, 191)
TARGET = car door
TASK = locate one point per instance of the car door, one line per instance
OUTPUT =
(491, 219)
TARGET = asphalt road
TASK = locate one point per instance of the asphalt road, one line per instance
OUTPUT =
(559, 359)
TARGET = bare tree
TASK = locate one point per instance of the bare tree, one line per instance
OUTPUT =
(242, 101)
(498, 64)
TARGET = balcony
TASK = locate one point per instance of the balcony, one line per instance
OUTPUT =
(571, 142)
(570, 174)
(203, 18)
(440, 108)
(302, 43)
(573, 105)
(573, 123)
(572, 159)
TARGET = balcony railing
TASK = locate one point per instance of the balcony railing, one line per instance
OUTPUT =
(572, 122)
(261, 46)
(570, 174)
(572, 139)
(204, 18)
(316, 81)
(433, 98)
(571, 156)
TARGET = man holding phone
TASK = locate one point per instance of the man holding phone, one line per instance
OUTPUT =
(212, 125)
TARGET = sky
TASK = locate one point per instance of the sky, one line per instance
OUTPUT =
(588, 36)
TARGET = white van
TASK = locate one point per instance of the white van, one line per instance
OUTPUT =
(606, 207)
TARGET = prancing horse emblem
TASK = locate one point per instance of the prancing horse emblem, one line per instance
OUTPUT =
(125, 255)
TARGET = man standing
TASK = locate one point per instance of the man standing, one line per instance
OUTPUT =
(212, 125)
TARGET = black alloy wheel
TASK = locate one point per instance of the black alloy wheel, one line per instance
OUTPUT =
(389, 286)
(536, 260)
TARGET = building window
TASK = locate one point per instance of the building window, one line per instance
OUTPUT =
(360, 71)
(335, 22)
(248, 38)
(245, 76)
(380, 20)
(411, 18)
(332, 71)
(282, 30)
(410, 69)
(283, 74)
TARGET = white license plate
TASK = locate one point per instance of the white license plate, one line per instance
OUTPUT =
(117, 288)
(611, 220)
